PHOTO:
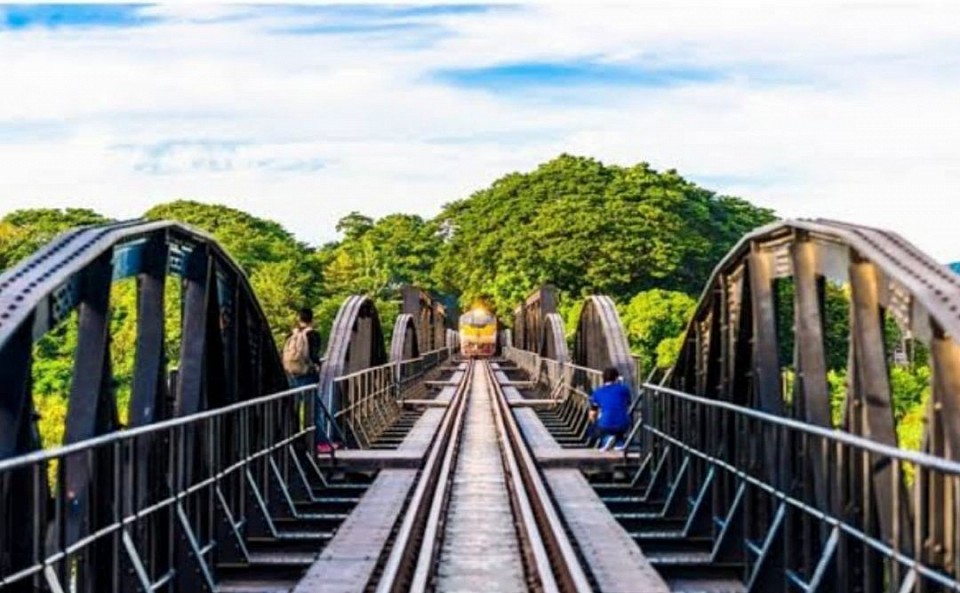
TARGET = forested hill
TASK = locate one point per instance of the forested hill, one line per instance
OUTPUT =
(589, 228)
(648, 239)
(573, 221)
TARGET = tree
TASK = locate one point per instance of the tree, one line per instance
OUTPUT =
(643, 237)
(654, 317)
(12, 238)
(354, 225)
(587, 228)
(24, 231)
(285, 273)
(406, 246)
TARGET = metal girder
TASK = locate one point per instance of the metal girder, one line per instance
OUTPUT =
(887, 279)
(404, 344)
(553, 342)
(356, 343)
(147, 403)
(600, 340)
(227, 354)
(430, 315)
(530, 317)
(453, 340)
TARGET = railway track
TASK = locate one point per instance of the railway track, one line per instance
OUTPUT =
(480, 517)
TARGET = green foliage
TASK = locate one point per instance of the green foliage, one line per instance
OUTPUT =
(569, 310)
(354, 225)
(837, 382)
(909, 387)
(12, 238)
(376, 257)
(654, 317)
(836, 324)
(648, 239)
(836, 316)
(911, 426)
(24, 231)
(668, 351)
(587, 228)
(285, 273)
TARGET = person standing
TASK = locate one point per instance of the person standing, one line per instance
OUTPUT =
(611, 402)
(301, 351)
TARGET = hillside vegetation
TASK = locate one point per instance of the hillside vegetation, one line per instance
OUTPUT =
(648, 239)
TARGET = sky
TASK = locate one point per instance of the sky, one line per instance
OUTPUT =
(843, 110)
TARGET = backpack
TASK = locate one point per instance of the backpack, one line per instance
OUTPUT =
(296, 353)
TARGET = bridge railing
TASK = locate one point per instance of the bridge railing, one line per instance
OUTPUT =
(568, 384)
(367, 403)
(369, 400)
(140, 504)
(530, 362)
(832, 507)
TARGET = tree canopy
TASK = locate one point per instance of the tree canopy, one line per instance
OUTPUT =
(588, 228)
(286, 274)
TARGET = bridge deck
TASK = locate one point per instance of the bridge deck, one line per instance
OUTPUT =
(510, 391)
(480, 549)
(613, 557)
(347, 564)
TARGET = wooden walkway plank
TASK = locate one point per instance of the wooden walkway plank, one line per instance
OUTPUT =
(346, 565)
(369, 459)
(535, 433)
(512, 394)
(427, 403)
(424, 429)
(612, 556)
(586, 458)
(534, 403)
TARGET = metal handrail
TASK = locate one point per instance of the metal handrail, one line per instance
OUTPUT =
(176, 467)
(916, 457)
(131, 433)
(368, 398)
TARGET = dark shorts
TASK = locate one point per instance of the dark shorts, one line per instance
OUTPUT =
(596, 433)
(304, 380)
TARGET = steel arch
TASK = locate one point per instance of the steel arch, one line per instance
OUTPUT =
(600, 340)
(227, 355)
(553, 341)
(356, 343)
(404, 344)
(731, 353)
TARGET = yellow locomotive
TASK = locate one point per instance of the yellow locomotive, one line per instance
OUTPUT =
(478, 333)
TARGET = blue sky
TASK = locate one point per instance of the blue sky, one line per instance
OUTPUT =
(573, 73)
(57, 16)
(844, 110)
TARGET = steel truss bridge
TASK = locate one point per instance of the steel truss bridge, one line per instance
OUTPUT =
(409, 469)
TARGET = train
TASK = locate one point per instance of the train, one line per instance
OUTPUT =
(478, 333)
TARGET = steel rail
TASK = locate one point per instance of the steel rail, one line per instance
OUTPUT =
(430, 540)
(536, 549)
(396, 572)
(568, 573)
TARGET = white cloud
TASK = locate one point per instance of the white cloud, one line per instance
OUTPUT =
(844, 112)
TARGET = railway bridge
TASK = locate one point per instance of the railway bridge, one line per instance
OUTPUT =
(407, 468)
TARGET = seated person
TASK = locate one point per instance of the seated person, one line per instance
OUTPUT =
(610, 411)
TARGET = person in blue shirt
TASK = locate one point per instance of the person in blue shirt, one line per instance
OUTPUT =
(610, 410)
